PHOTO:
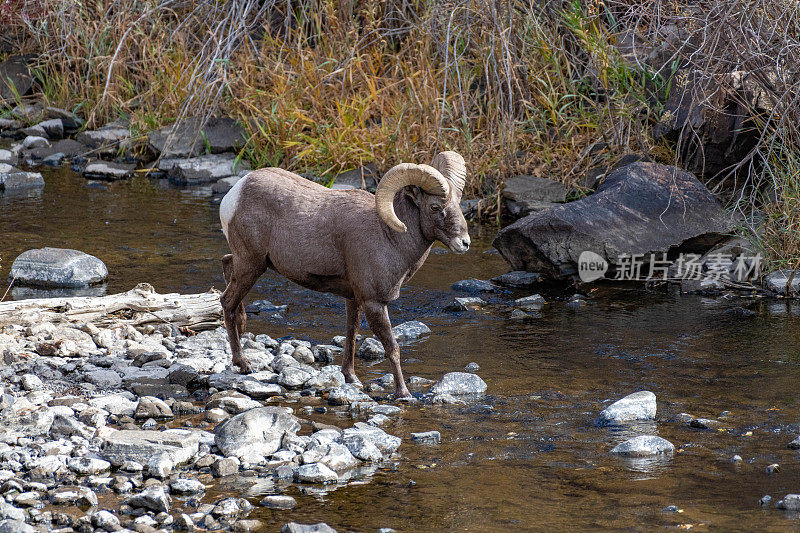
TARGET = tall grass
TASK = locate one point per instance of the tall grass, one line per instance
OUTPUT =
(327, 86)
(538, 87)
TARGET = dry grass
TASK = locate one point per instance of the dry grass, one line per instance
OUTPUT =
(536, 86)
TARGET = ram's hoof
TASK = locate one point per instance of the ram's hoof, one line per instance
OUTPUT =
(244, 366)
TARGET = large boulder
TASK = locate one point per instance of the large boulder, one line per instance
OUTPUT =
(257, 431)
(16, 78)
(57, 267)
(191, 138)
(641, 208)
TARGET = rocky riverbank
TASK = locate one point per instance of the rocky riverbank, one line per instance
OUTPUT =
(121, 427)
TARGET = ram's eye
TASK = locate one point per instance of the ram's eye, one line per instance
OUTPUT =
(436, 207)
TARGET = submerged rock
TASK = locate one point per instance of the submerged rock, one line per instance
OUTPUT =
(790, 502)
(459, 383)
(643, 446)
(294, 527)
(637, 406)
(57, 267)
(14, 180)
(641, 208)
(465, 304)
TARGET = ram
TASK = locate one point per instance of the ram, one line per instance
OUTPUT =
(346, 242)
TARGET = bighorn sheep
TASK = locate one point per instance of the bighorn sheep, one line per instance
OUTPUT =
(346, 242)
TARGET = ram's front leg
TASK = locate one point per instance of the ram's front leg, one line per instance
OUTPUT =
(378, 320)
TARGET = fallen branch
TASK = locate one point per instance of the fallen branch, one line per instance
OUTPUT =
(139, 307)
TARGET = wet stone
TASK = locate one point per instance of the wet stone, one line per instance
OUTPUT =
(795, 444)
(459, 383)
(347, 394)
(316, 473)
(427, 437)
(294, 527)
(473, 286)
(58, 267)
(637, 406)
(790, 502)
(643, 446)
(518, 279)
(371, 350)
(278, 501)
(465, 304)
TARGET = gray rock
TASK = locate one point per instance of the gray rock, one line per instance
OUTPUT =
(73, 495)
(776, 282)
(54, 160)
(14, 180)
(643, 446)
(16, 526)
(633, 212)
(526, 194)
(105, 520)
(108, 136)
(383, 409)
(180, 445)
(473, 286)
(278, 501)
(115, 404)
(154, 499)
(294, 377)
(637, 406)
(152, 407)
(316, 473)
(294, 527)
(224, 185)
(53, 128)
(371, 350)
(57, 267)
(34, 141)
(108, 170)
(795, 444)
(67, 426)
(16, 78)
(531, 303)
(88, 466)
(258, 431)
(386, 443)
(459, 383)
(31, 382)
(335, 456)
(365, 177)
(192, 138)
(790, 502)
(7, 157)
(186, 486)
(347, 394)
(227, 466)
(465, 304)
(104, 378)
(427, 437)
(203, 169)
(409, 331)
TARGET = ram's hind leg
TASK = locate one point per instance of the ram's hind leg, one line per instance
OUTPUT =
(240, 316)
(349, 355)
(240, 276)
(378, 319)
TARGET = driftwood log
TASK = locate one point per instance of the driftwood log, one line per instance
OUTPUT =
(139, 307)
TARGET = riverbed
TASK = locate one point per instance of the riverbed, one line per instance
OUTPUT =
(528, 455)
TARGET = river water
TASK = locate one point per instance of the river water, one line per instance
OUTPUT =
(527, 456)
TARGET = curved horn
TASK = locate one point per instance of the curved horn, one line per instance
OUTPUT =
(427, 178)
(452, 167)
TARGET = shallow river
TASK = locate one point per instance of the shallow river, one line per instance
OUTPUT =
(527, 456)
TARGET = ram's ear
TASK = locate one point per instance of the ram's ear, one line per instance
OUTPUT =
(415, 194)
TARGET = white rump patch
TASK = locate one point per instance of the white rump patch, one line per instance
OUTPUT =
(229, 203)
